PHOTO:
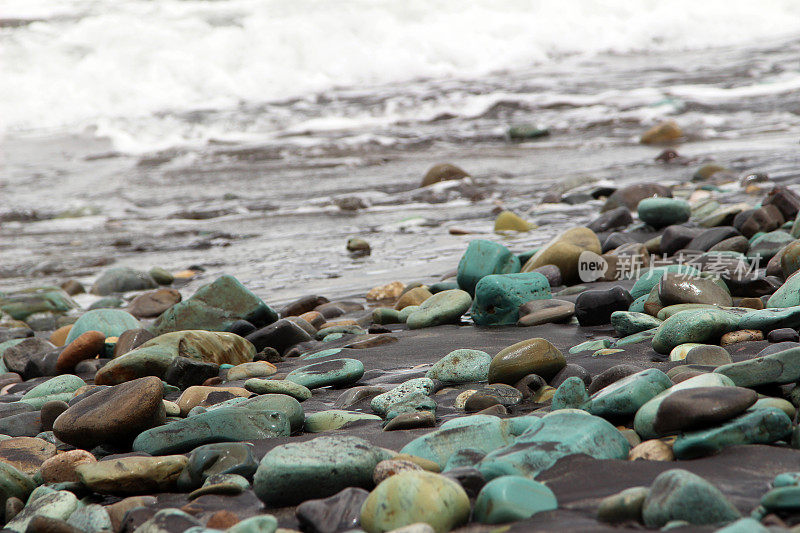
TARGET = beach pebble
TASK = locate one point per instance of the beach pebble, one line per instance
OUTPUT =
(381, 403)
(411, 497)
(57, 388)
(442, 172)
(675, 288)
(339, 512)
(533, 356)
(280, 335)
(87, 345)
(334, 419)
(498, 297)
(109, 322)
(461, 366)
(680, 495)
(122, 279)
(571, 394)
(391, 467)
(483, 258)
(624, 506)
(278, 386)
(58, 504)
(707, 355)
(662, 212)
(651, 450)
(26, 454)
(334, 372)
(153, 303)
(258, 369)
(512, 498)
(536, 312)
(693, 326)
(783, 335)
(62, 467)
(625, 396)
(442, 308)
(409, 420)
(663, 132)
(563, 251)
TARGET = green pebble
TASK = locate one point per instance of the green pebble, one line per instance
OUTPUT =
(512, 498)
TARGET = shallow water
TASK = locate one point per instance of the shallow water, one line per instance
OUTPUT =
(254, 189)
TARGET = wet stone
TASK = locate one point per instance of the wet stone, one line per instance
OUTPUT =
(700, 407)
(534, 356)
(334, 372)
(595, 307)
(339, 512)
(499, 297)
(218, 458)
(538, 312)
(625, 396)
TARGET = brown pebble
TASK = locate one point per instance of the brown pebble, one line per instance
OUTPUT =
(752, 303)
(652, 450)
(116, 511)
(495, 410)
(50, 411)
(61, 468)
(59, 336)
(415, 296)
(743, 335)
(73, 287)
(390, 467)
(338, 323)
(13, 506)
(390, 291)
(46, 524)
(86, 346)
(199, 395)
(212, 382)
(686, 374)
(130, 339)
(425, 464)
(26, 454)
(222, 520)
(314, 318)
(416, 419)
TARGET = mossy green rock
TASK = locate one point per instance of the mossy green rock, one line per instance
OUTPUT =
(415, 497)
(334, 419)
(561, 433)
(444, 307)
(110, 322)
(759, 426)
(214, 307)
(154, 356)
(461, 366)
(652, 277)
(122, 279)
(228, 424)
(788, 294)
(24, 303)
(278, 386)
(483, 258)
(484, 433)
(318, 468)
(570, 395)
(533, 356)
(625, 396)
(512, 498)
(13, 483)
(498, 297)
(628, 323)
(381, 403)
(680, 495)
(781, 367)
(702, 326)
(333, 372)
(662, 212)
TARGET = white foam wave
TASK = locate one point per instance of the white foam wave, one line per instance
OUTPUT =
(114, 63)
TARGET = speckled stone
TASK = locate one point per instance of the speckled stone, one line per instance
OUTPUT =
(680, 495)
(498, 297)
(334, 372)
(445, 307)
(133, 475)
(334, 419)
(381, 403)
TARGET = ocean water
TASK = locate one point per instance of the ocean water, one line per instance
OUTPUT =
(231, 133)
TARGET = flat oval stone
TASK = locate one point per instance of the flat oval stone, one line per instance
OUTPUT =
(318, 468)
(760, 426)
(771, 318)
(781, 367)
(693, 326)
(278, 386)
(57, 388)
(700, 407)
(708, 355)
(625, 396)
(153, 303)
(26, 454)
(115, 415)
(334, 419)
(461, 366)
(133, 475)
(256, 369)
(340, 512)
(61, 468)
(445, 307)
(533, 356)
(628, 323)
(58, 504)
(680, 289)
(412, 497)
(661, 212)
(512, 498)
(334, 372)
(538, 312)
(680, 495)
(86, 346)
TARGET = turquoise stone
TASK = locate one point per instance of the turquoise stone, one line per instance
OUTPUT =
(413, 402)
(744, 525)
(483, 433)
(109, 322)
(660, 212)
(759, 426)
(782, 499)
(214, 307)
(769, 319)
(385, 315)
(512, 498)
(108, 302)
(441, 286)
(381, 403)
(561, 433)
(787, 479)
(282, 403)
(628, 323)
(333, 372)
(702, 326)
(680, 495)
(645, 417)
(320, 354)
(278, 386)
(781, 367)
(498, 297)
(14, 483)
(646, 335)
(318, 468)
(638, 304)
(58, 388)
(461, 366)
(21, 304)
(334, 419)
(263, 523)
(483, 258)
(788, 294)
(219, 425)
(570, 395)
(652, 277)
(764, 247)
(591, 346)
(625, 396)
(442, 308)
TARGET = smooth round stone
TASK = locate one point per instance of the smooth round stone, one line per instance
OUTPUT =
(109, 322)
(509, 221)
(223, 484)
(700, 407)
(499, 297)
(122, 279)
(115, 415)
(783, 335)
(571, 394)
(538, 312)
(772, 318)
(533, 356)
(321, 467)
(512, 498)
(735, 337)
(625, 396)
(228, 424)
(58, 504)
(412, 497)
(651, 450)
(766, 246)
(461, 366)
(445, 307)
(777, 403)
(57, 388)
(86, 346)
(263, 523)
(564, 252)
(152, 304)
(483, 258)
(334, 419)
(340, 512)
(788, 294)
(412, 297)
(278, 386)
(595, 307)
(381, 403)
(206, 396)
(334, 372)
(625, 506)
(652, 277)
(410, 420)
(62, 467)
(26, 454)
(680, 495)
(680, 352)
(760, 426)
(662, 212)
(14, 484)
(693, 326)
(257, 369)
(50, 411)
(412, 403)
(681, 289)
(133, 475)
(629, 323)
(708, 355)
(781, 367)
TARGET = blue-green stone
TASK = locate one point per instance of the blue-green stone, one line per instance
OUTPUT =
(483, 258)
(498, 297)
(512, 498)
